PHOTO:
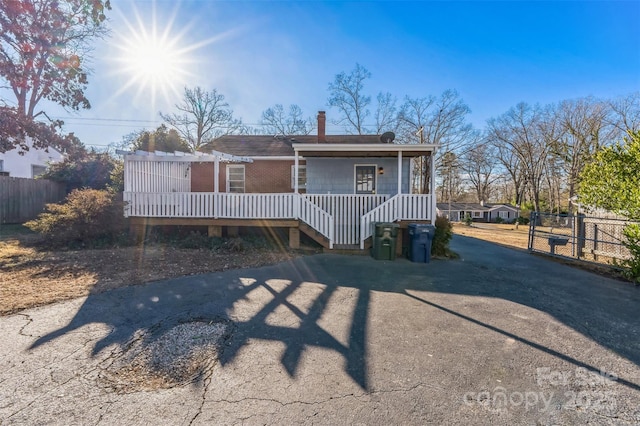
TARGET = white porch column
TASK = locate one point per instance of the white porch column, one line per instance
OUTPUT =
(399, 172)
(432, 187)
(216, 173)
(295, 173)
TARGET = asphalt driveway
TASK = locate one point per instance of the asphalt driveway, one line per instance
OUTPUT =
(497, 337)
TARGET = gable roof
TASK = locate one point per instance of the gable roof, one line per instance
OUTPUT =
(273, 146)
(461, 207)
(472, 206)
(250, 145)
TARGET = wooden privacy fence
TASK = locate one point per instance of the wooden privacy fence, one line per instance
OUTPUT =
(23, 199)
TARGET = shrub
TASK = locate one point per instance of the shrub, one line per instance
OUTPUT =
(92, 170)
(87, 216)
(444, 233)
(522, 220)
(632, 242)
(467, 220)
(499, 219)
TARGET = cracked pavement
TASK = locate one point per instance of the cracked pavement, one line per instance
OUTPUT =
(497, 337)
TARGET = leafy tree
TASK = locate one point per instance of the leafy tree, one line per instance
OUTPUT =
(275, 120)
(203, 116)
(346, 93)
(43, 44)
(612, 181)
(162, 139)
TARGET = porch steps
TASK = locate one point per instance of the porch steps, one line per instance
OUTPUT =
(314, 235)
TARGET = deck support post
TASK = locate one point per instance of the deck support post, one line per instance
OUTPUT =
(137, 232)
(294, 238)
(214, 231)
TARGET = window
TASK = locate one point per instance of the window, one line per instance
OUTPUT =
(302, 176)
(37, 170)
(503, 214)
(235, 178)
(477, 214)
(1, 165)
(366, 179)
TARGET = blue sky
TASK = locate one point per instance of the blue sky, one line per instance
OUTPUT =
(495, 54)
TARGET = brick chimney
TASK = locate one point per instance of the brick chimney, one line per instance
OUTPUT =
(322, 127)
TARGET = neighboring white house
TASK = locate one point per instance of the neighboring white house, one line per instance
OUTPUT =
(478, 212)
(30, 164)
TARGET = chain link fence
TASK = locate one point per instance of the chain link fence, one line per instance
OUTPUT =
(597, 239)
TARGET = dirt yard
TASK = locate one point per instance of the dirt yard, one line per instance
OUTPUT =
(506, 235)
(33, 276)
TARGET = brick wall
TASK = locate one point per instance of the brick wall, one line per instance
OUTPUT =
(260, 176)
(202, 177)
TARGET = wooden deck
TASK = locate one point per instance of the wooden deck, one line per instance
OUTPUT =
(336, 219)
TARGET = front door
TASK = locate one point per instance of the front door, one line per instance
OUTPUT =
(365, 179)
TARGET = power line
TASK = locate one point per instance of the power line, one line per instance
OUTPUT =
(124, 120)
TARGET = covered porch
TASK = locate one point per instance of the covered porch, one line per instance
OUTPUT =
(159, 191)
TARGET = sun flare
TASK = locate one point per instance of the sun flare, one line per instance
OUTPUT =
(153, 63)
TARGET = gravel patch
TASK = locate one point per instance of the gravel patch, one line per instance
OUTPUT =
(185, 353)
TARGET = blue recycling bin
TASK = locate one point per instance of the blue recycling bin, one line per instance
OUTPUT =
(420, 241)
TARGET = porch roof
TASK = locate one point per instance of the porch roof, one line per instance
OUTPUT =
(193, 157)
(362, 149)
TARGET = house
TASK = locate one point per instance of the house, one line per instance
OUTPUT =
(478, 212)
(331, 187)
(28, 164)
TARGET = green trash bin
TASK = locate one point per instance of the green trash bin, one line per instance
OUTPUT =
(384, 241)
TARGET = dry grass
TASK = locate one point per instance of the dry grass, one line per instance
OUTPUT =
(33, 276)
(507, 235)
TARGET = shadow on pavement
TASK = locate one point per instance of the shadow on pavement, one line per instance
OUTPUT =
(251, 297)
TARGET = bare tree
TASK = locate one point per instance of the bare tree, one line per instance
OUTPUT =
(625, 114)
(275, 120)
(434, 120)
(583, 126)
(203, 116)
(451, 188)
(529, 133)
(479, 164)
(512, 165)
(386, 114)
(346, 93)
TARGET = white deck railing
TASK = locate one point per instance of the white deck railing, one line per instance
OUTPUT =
(346, 209)
(342, 218)
(255, 206)
(318, 219)
(399, 207)
(169, 204)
